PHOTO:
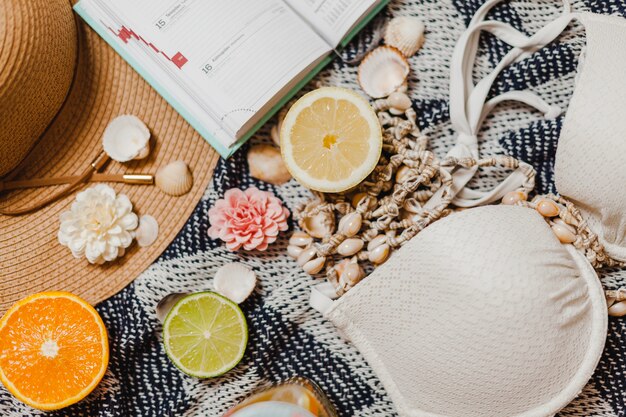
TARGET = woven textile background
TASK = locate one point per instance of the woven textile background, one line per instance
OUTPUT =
(286, 336)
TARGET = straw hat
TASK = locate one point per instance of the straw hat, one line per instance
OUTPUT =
(60, 84)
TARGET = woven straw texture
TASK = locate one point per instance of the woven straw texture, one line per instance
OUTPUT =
(286, 336)
(104, 87)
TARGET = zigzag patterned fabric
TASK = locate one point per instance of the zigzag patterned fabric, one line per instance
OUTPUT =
(289, 338)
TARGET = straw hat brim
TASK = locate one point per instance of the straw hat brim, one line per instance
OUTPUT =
(104, 86)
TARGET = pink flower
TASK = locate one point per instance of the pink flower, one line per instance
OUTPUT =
(250, 218)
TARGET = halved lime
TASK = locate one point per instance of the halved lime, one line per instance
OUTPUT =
(205, 334)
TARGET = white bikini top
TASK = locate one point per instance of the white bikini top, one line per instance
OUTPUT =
(485, 312)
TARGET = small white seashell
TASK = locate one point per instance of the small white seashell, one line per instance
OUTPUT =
(349, 247)
(306, 256)
(314, 266)
(379, 254)
(382, 71)
(300, 239)
(320, 225)
(235, 281)
(356, 199)
(405, 33)
(399, 101)
(350, 224)
(562, 232)
(294, 251)
(147, 232)
(376, 242)
(126, 137)
(164, 306)
(618, 309)
(266, 164)
(174, 178)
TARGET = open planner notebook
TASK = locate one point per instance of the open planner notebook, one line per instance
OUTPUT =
(227, 65)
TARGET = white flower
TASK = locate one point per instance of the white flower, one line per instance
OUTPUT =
(99, 225)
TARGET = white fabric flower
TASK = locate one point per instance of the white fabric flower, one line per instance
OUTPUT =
(99, 225)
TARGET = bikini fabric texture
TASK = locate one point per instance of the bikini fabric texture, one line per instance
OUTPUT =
(486, 313)
(287, 337)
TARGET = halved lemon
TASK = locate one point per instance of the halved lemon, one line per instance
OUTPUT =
(331, 139)
(54, 350)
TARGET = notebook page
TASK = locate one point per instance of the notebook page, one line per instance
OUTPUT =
(333, 19)
(149, 64)
(234, 56)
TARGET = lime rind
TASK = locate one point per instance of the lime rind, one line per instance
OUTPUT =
(228, 365)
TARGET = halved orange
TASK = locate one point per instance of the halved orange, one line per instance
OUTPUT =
(54, 350)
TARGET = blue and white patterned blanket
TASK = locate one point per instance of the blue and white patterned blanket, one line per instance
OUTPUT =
(287, 337)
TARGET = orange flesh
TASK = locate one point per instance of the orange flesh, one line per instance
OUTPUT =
(53, 350)
(330, 139)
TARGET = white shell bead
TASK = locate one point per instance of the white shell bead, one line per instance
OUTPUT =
(294, 251)
(300, 239)
(511, 198)
(352, 274)
(547, 208)
(399, 101)
(350, 224)
(314, 266)
(379, 254)
(306, 256)
(402, 173)
(618, 309)
(563, 233)
(349, 247)
(376, 242)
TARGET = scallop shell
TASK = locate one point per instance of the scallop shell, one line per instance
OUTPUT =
(405, 33)
(174, 178)
(266, 164)
(125, 138)
(235, 281)
(147, 231)
(383, 71)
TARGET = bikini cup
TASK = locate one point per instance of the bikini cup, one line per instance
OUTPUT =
(485, 313)
(589, 170)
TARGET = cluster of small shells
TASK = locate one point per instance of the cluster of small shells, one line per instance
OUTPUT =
(569, 226)
(346, 233)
